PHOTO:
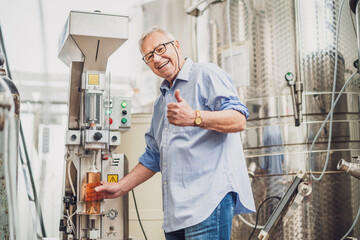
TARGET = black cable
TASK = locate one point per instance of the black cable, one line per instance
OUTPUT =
(32, 182)
(137, 213)
(258, 210)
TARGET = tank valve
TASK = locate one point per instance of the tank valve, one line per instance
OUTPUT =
(296, 95)
(251, 171)
(352, 168)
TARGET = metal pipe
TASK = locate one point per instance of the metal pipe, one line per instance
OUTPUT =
(358, 26)
(92, 107)
(352, 168)
(199, 7)
(82, 111)
(299, 83)
(298, 90)
(296, 113)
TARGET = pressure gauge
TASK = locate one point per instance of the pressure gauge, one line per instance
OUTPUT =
(289, 76)
(112, 214)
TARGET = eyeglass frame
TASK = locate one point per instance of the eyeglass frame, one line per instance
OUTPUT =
(154, 51)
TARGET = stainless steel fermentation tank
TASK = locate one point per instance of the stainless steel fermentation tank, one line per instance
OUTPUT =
(269, 39)
(9, 144)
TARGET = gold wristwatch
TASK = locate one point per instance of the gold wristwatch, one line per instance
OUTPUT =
(198, 119)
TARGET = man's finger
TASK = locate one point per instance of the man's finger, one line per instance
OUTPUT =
(172, 105)
(177, 96)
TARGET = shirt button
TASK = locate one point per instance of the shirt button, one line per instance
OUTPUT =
(164, 164)
(164, 145)
(165, 129)
(164, 182)
(169, 94)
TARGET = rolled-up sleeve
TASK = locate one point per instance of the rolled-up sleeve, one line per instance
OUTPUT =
(151, 157)
(220, 92)
(235, 105)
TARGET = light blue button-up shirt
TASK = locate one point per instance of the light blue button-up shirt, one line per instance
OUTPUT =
(198, 166)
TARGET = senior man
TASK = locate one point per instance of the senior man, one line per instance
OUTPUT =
(194, 141)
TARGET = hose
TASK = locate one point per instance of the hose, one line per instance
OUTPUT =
(323, 124)
(250, 224)
(257, 212)
(352, 226)
(318, 133)
(69, 177)
(230, 37)
(332, 104)
(137, 213)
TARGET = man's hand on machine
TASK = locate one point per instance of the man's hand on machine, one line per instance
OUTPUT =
(109, 189)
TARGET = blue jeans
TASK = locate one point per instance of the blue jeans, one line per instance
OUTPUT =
(217, 226)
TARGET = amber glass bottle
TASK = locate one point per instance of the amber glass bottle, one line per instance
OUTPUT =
(91, 198)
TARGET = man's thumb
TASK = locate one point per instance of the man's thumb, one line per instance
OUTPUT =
(177, 96)
(100, 187)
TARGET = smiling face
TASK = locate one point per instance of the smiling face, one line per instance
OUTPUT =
(167, 64)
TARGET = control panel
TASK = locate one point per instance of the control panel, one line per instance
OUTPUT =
(118, 113)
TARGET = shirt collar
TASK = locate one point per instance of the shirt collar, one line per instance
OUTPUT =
(183, 75)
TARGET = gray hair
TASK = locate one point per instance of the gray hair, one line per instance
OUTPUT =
(153, 30)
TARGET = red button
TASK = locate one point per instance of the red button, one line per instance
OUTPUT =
(109, 120)
(104, 156)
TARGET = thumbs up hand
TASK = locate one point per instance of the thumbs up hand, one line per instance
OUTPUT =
(180, 113)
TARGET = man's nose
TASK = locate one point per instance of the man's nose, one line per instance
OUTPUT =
(156, 58)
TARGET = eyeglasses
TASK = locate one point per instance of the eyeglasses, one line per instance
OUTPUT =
(159, 50)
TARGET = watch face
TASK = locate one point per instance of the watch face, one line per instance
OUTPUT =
(198, 121)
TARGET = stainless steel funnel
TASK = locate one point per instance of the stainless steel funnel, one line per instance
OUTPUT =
(91, 37)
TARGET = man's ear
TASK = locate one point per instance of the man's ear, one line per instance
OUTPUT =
(177, 45)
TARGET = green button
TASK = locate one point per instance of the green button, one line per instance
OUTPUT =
(123, 104)
(108, 111)
(123, 120)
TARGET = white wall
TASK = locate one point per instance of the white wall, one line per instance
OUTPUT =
(148, 195)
